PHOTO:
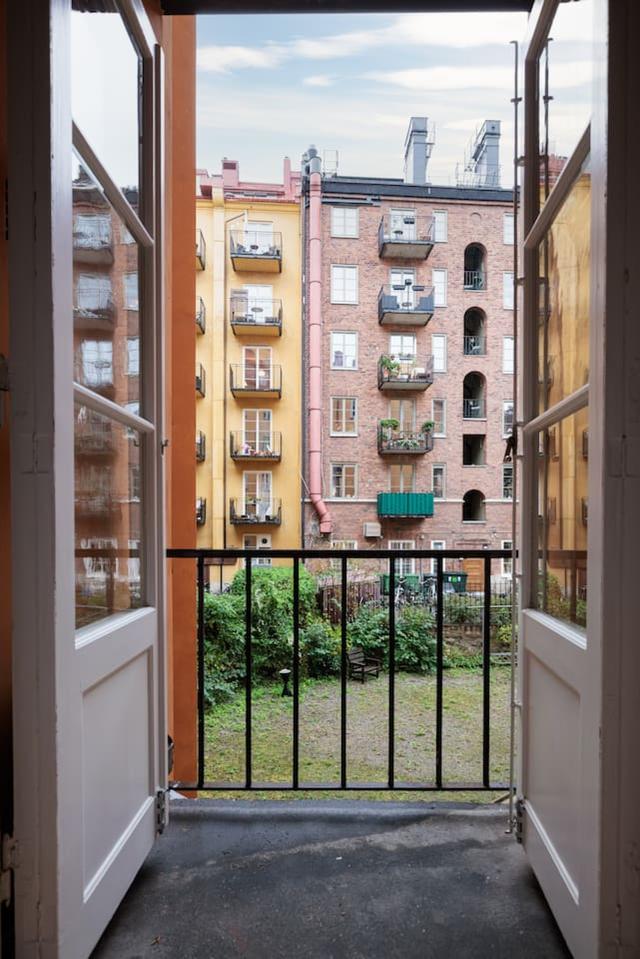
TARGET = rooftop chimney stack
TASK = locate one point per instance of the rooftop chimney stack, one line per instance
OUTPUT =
(418, 145)
(485, 154)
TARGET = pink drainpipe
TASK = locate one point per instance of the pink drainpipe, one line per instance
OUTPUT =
(315, 347)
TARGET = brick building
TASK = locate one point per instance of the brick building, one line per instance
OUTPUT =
(410, 354)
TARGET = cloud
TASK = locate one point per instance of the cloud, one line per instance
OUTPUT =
(446, 78)
(224, 59)
(319, 80)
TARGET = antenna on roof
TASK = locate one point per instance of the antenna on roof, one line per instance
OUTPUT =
(330, 162)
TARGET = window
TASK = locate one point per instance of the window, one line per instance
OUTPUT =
(131, 291)
(405, 565)
(440, 226)
(344, 221)
(401, 478)
(507, 417)
(262, 542)
(343, 480)
(401, 283)
(344, 284)
(402, 346)
(344, 416)
(133, 356)
(101, 564)
(97, 363)
(134, 482)
(439, 287)
(342, 544)
(256, 432)
(507, 480)
(508, 229)
(439, 417)
(403, 224)
(404, 411)
(93, 292)
(258, 236)
(439, 351)
(256, 367)
(438, 481)
(344, 351)
(507, 354)
(507, 564)
(507, 291)
(437, 544)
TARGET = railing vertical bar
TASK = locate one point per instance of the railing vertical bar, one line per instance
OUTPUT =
(486, 674)
(296, 670)
(439, 669)
(392, 672)
(200, 670)
(248, 652)
(343, 673)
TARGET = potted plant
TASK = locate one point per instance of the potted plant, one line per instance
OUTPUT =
(387, 429)
(427, 426)
(389, 366)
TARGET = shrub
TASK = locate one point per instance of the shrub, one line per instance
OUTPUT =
(223, 646)
(320, 650)
(415, 636)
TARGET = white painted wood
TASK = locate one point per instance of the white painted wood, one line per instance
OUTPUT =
(90, 748)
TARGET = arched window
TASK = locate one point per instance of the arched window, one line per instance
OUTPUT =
(473, 507)
(475, 333)
(475, 267)
(474, 397)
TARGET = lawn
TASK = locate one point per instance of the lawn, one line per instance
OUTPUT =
(367, 718)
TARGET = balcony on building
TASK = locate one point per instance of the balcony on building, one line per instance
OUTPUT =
(201, 447)
(398, 442)
(245, 381)
(405, 505)
(256, 251)
(255, 317)
(405, 374)
(94, 309)
(405, 237)
(255, 512)
(93, 240)
(201, 511)
(475, 341)
(201, 251)
(475, 275)
(94, 437)
(247, 447)
(405, 304)
(96, 504)
(201, 314)
(474, 398)
(201, 380)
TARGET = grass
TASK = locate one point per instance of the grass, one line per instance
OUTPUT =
(367, 730)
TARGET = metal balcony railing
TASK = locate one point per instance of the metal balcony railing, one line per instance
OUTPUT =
(249, 380)
(253, 512)
(246, 445)
(404, 304)
(201, 315)
(404, 442)
(90, 503)
(96, 438)
(453, 612)
(398, 373)
(474, 280)
(475, 346)
(256, 316)
(201, 511)
(201, 447)
(201, 251)
(94, 308)
(473, 409)
(408, 237)
(256, 250)
(201, 380)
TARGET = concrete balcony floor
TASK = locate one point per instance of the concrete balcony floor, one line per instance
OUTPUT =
(332, 879)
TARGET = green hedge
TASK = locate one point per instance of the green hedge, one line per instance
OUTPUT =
(415, 636)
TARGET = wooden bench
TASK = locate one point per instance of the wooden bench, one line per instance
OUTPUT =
(361, 666)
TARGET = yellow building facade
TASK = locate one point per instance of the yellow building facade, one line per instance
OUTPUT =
(248, 363)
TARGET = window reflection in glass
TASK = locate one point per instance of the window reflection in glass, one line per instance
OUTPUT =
(562, 519)
(106, 315)
(108, 516)
(563, 332)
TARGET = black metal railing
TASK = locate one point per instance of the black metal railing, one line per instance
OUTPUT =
(263, 510)
(473, 409)
(201, 250)
(475, 345)
(250, 244)
(405, 373)
(201, 315)
(404, 441)
(405, 305)
(249, 313)
(255, 379)
(436, 590)
(249, 445)
(409, 235)
(475, 280)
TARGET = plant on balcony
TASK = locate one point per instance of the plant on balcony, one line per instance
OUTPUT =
(427, 426)
(389, 366)
(388, 425)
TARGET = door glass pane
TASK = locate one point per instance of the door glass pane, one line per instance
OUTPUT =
(562, 518)
(106, 72)
(106, 297)
(108, 516)
(565, 94)
(564, 257)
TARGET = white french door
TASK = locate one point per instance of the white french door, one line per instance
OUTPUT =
(257, 494)
(257, 367)
(559, 670)
(403, 224)
(257, 430)
(86, 282)
(402, 282)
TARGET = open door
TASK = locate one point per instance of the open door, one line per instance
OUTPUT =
(559, 659)
(86, 296)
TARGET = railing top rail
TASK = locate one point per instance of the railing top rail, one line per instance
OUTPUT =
(195, 553)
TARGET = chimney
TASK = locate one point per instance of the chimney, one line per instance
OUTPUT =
(485, 154)
(417, 150)
(230, 173)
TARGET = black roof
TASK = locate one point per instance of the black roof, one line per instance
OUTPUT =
(381, 187)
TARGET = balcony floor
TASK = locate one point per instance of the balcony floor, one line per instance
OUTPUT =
(332, 879)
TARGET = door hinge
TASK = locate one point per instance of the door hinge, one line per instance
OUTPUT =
(519, 823)
(161, 810)
(8, 863)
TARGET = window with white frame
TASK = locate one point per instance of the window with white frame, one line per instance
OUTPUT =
(344, 221)
(102, 563)
(507, 417)
(344, 351)
(93, 291)
(344, 480)
(344, 284)
(404, 411)
(439, 417)
(508, 229)
(96, 362)
(344, 416)
(440, 226)
(438, 544)
(507, 480)
(507, 564)
(438, 480)
(507, 291)
(131, 291)
(404, 565)
(133, 356)
(439, 352)
(402, 478)
(439, 278)
(402, 346)
(507, 354)
(261, 542)
(342, 544)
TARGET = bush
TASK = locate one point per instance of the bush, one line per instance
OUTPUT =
(320, 650)
(415, 636)
(223, 646)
